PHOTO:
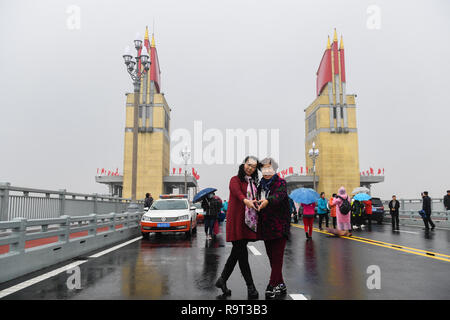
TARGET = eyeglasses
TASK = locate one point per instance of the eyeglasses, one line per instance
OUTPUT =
(253, 166)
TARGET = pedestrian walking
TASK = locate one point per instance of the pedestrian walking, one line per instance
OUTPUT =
(242, 197)
(368, 213)
(394, 206)
(274, 223)
(358, 213)
(447, 200)
(211, 206)
(322, 210)
(332, 209)
(426, 206)
(292, 209)
(343, 212)
(308, 218)
(148, 200)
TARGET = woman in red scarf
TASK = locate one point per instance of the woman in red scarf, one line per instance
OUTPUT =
(242, 199)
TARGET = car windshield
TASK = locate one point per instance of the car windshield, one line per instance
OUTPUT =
(169, 205)
(376, 202)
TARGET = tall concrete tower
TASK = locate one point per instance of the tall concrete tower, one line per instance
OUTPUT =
(331, 124)
(153, 160)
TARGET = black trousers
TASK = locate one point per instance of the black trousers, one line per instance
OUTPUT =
(239, 254)
(321, 217)
(427, 220)
(394, 220)
(334, 222)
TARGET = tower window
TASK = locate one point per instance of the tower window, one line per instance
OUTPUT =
(312, 122)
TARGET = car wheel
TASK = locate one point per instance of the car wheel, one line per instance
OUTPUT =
(189, 233)
(146, 235)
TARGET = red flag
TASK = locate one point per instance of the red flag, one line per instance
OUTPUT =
(371, 171)
(301, 170)
(379, 171)
(291, 170)
(179, 170)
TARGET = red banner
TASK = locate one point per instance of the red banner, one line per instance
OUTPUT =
(324, 71)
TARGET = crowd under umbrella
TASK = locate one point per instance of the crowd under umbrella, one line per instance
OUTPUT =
(360, 190)
(304, 195)
(362, 196)
(203, 193)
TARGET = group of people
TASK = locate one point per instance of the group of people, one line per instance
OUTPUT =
(257, 210)
(341, 211)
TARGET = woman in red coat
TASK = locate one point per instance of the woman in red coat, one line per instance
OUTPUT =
(274, 224)
(242, 195)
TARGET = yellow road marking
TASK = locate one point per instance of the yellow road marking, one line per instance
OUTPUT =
(427, 254)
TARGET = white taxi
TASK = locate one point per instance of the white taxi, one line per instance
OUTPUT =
(170, 213)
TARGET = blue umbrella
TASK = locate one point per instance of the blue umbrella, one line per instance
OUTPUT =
(304, 195)
(362, 197)
(203, 193)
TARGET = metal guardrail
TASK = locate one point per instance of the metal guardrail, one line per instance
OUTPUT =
(437, 204)
(38, 243)
(41, 204)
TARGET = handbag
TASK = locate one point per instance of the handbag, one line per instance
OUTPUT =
(422, 214)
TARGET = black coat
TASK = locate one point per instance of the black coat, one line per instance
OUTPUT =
(426, 205)
(148, 202)
(447, 202)
(396, 207)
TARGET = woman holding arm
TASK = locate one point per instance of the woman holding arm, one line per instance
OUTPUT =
(242, 197)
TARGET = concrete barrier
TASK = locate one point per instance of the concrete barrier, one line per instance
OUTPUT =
(30, 245)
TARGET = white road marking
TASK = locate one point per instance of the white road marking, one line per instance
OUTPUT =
(298, 296)
(254, 250)
(25, 284)
(40, 278)
(407, 231)
(114, 248)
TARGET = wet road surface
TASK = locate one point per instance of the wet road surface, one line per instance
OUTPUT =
(172, 267)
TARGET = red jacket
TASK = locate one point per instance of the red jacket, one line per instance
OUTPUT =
(236, 229)
(368, 204)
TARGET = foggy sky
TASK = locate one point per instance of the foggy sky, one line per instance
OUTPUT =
(231, 64)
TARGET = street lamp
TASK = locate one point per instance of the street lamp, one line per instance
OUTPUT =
(185, 154)
(314, 154)
(136, 75)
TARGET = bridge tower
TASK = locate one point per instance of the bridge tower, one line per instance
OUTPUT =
(330, 122)
(153, 161)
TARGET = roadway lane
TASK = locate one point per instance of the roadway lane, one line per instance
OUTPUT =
(171, 267)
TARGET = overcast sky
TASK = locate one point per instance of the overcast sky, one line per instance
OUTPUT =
(230, 64)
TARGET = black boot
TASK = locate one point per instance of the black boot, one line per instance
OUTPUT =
(252, 292)
(221, 284)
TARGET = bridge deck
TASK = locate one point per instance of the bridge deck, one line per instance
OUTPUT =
(172, 267)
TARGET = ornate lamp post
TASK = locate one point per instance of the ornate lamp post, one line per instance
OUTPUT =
(185, 154)
(136, 75)
(314, 154)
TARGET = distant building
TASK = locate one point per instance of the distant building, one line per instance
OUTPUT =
(330, 122)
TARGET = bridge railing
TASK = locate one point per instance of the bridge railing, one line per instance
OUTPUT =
(42, 204)
(30, 245)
